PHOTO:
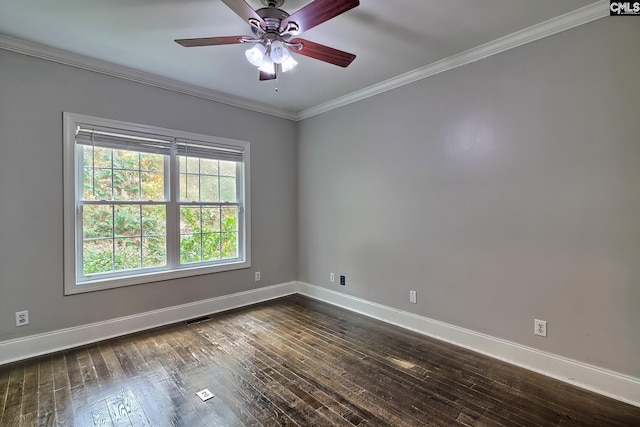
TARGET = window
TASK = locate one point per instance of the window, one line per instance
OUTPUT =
(144, 204)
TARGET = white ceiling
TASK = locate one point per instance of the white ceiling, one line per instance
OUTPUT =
(390, 38)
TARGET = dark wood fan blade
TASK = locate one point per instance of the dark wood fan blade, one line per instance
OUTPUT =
(317, 12)
(244, 11)
(210, 41)
(324, 53)
(269, 76)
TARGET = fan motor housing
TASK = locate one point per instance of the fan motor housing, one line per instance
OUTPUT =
(272, 16)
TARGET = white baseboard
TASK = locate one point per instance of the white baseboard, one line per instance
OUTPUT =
(36, 345)
(608, 383)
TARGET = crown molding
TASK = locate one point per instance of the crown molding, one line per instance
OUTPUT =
(547, 28)
(103, 67)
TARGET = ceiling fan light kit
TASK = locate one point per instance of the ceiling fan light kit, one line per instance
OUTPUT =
(275, 52)
(274, 31)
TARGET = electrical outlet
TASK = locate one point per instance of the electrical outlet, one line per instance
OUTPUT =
(22, 318)
(332, 277)
(257, 276)
(343, 280)
(540, 327)
(413, 297)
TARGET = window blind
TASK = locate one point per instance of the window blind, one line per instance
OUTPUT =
(123, 140)
(215, 151)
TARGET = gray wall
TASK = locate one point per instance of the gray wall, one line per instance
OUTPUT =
(502, 191)
(33, 95)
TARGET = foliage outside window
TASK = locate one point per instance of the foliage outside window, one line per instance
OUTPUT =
(151, 204)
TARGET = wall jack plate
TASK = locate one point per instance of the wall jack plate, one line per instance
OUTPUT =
(413, 297)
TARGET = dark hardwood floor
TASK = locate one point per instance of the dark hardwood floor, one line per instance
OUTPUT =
(290, 362)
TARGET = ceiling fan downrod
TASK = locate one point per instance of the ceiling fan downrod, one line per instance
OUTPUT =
(272, 3)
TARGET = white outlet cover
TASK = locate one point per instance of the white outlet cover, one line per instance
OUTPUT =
(332, 277)
(205, 394)
(22, 318)
(540, 327)
(257, 276)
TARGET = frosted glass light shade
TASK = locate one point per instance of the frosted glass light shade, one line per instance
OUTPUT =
(267, 65)
(288, 64)
(279, 52)
(255, 55)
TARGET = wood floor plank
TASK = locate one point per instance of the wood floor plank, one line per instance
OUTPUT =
(46, 402)
(5, 372)
(30, 392)
(64, 407)
(81, 405)
(13, 405)
(60, 375)
(294, 362)
(29, 420)
(100, 414)
(116, 374)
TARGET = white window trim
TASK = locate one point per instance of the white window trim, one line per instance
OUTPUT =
(70, 228)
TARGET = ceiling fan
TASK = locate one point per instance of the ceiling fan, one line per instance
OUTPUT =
(274, 34)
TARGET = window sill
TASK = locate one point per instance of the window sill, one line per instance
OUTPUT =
(72, 288)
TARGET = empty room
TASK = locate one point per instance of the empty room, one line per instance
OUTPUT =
(319, 213)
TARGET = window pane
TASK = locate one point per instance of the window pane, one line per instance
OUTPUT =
(210, 246)
(102, 157)
(152, 186)
(189, 220)
(210, 219)
(152, 162)
(189, 187)
(127, 253)
(227, 189)
(193, 165)
(208, 166)
(97, 221)
(230, 218)
(127, 220)
(102, 184)
(154, 251)
(126, 184)
(227, 168)
(208, 188)
(154, 220)
(229, 245)
(124, 159)
(87, 180)
(190, 248)
(97, 256)
(87, 155)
